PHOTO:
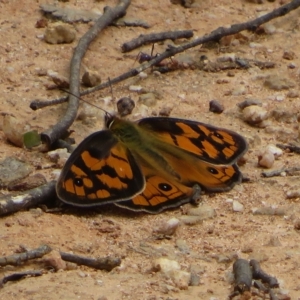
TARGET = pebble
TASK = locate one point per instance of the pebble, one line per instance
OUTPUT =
(59, 33)
(182, 246)
(54, 260)
(125, 106)
(59, 156)
(148, 99)
(203, 212)
(165, 111)
(292, 94)
(135, 88)
(91, 78)
(190, 220)
(277, 152)
(293, 194)
(167, 228)
(282, 115)
(13, 169)
(237, 206)
(27, 183)
(249, 102)
(266, 160)
(277, 83)
(14, 130)
(289, 55)
(255, 114)
(171, 269)
(143, 75)
(269, 28)
(216, 107)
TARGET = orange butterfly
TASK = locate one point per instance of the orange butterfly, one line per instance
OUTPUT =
(151, 165)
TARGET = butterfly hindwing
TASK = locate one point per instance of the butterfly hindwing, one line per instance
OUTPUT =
(158, 195)
(212, 144)
(100, 170)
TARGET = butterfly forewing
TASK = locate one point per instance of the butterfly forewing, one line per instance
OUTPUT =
(100, 170)
(211, 144)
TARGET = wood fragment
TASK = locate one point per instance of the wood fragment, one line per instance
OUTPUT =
(156, 37)
(242, 275)
(13, 203)
(20, 275)
(292, 148)
(101, 263)
(289, 171)
(258, 273)
(18, 258)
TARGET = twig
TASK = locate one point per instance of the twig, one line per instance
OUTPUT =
(258, 273)
(242, 275)
(101, 263)
(107, 18)
(17, 259)
(214, 35)
(156, 37)
(20, 275)
(10, 204)
(292, 148)
(288, 171)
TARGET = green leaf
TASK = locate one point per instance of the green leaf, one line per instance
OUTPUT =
(31, 139)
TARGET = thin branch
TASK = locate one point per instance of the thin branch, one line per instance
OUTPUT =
(18, 258)
(11, 204)
(20, 275)
(289, 171)
(292, 148)
(171, 51)
(101, 263)
(107, 18)
(156, 37)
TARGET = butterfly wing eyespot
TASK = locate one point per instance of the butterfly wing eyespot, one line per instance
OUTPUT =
(100, 170)
(159, 194)
(212, 144)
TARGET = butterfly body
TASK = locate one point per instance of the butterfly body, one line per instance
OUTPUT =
(150, 165)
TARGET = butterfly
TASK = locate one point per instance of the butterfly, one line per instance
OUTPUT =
(150, 165)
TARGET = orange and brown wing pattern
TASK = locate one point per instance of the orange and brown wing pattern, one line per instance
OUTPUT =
(159, 194)
(100, 170)
(212, 144)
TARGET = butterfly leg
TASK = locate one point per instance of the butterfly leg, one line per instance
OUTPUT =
(196, 195)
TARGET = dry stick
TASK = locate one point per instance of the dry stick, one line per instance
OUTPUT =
(107, 18)
(17, 259)
(20, 275)
(213, 36)
(156, 37)
(292, 148)
(258, 273)
(242, 275)
(11, 204)
(288, 171)
(101, 263)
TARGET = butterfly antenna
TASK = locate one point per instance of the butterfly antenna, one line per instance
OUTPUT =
(68, 92)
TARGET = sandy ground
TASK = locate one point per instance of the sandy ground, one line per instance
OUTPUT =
(271, 238)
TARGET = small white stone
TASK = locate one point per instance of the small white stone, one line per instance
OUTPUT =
(237, 206)
(266, 160)
(135, 88)
(277, 152)
(254, 114)
(143, 75)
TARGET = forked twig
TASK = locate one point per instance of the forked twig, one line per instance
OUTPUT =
(54, 133)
